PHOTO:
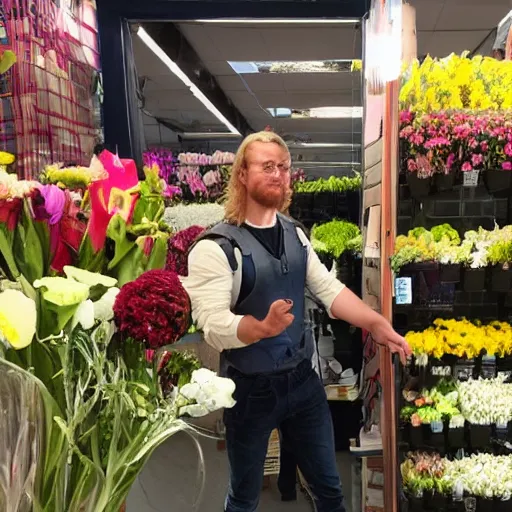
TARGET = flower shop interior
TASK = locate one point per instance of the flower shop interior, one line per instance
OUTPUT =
(119, 125)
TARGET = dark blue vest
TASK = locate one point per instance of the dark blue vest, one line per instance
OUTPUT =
(275, 279)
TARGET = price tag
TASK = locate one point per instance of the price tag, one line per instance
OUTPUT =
(471, 178)
(403, 290)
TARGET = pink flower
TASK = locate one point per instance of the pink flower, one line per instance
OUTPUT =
(466, 166)
(449, 161)
(506, 166)
(406, 116)
(411, 165)
(484, 146)
(416, 138)
(508, 149)
(476, 159)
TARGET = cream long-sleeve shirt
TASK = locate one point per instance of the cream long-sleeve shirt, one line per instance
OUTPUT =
(213, 289)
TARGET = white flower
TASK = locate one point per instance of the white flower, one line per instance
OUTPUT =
(183, 216)
(104, 307)
(208, 391)
(84, 315)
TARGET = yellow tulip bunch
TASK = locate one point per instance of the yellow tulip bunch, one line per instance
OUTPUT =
(462, 338)
(455, 83)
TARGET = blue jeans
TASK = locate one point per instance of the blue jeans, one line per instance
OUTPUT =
(295, 402)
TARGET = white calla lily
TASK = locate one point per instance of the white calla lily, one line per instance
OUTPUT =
(18, 319)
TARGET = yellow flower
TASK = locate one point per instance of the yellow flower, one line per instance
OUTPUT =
(61, 291)
(6, 158)
(18, 317)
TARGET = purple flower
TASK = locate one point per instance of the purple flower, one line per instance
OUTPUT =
(54, 202)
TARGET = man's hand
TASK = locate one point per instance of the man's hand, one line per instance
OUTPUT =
(385, 335)
(278, 318)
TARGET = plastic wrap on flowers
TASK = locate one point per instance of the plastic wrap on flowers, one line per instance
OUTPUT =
(179, 245)
(154, 309)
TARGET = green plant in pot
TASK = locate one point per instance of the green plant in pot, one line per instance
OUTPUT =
(335, 239)
(500, 257)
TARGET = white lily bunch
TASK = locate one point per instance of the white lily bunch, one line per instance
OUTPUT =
(482, 474)
(486, 401)
(206, 393)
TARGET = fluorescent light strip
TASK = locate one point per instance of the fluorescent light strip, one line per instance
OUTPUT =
(209, 135)
(174, 68)
(263, 21)
(300, 145)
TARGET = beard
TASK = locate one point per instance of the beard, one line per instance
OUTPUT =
(271, 195)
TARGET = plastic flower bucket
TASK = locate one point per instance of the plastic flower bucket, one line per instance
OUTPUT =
(501, 280)
(473, 279)
(502, 505)
(444, 182)
(419, 187)
(416, 436)
(479, 436)
(416, 504)
(485, 505)
(449, 273)
(498, 183)
(456, 438)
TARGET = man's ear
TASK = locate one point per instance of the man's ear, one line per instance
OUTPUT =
(243, 176)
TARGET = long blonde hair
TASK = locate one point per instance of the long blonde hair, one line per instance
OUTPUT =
(236, 193)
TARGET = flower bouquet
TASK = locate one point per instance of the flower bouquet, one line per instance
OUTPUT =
(499, 254)
(422, 477)
(485, 403)
(429, 412)
(92, 408)
(461, 338)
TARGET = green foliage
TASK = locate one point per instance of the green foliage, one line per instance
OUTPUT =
(333, 184)
(335, 237)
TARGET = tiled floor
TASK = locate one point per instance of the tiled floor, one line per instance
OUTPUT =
(168, 483)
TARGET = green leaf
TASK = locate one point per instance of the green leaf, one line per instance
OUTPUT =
(43, 233)
(116, 231)
(6, 243)
(158, 256)
(27, 249)
(88, 259)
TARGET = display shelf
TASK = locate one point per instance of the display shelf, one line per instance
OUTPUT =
(450, 293)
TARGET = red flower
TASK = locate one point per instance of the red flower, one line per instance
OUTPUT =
(179, 246)
(9, 212)
(154, 309)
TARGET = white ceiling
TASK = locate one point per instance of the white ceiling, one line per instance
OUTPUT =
(443, 27)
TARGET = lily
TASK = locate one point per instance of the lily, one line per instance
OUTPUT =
(116, 194)
(18, 318)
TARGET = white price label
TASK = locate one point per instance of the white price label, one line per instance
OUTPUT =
(403, 290)
(471, 178)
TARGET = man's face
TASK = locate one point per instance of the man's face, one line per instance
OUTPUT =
(267, 174)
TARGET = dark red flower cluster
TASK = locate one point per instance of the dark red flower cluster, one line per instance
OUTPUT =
(154, 309)
(179, 245)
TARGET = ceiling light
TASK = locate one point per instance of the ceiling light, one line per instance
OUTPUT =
(208, 135)
(298, 66)
(301, 145)
(317, 113)
(284, 21)
(174, 68)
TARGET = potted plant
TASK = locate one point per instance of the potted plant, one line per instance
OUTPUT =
(456, 432)
(448, 252)
(474, 264)
(500, 257)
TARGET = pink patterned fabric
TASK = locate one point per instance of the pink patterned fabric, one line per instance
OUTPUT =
(48, 94)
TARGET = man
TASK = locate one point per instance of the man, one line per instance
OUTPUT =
(247, 279)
